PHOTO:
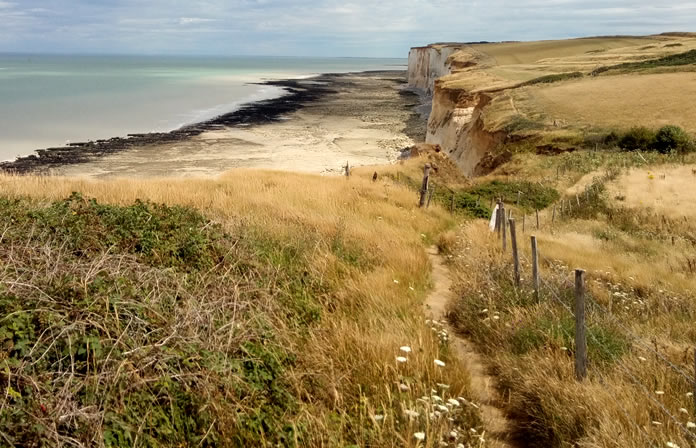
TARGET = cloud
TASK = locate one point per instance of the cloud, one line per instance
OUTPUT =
(194, 20)
(317, 27)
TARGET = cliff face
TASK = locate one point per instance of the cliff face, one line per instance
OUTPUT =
(456, 120)
(426, 64)
(457, 124)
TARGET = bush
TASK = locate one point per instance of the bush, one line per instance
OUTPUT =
(636, 138)
(673, 138)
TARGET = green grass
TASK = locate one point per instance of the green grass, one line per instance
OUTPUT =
(674, 60)
(548, 79)
(146, 323)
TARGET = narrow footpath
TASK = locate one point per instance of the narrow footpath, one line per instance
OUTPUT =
(483, 386)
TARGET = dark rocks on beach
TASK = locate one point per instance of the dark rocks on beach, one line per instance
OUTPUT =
(298, 94)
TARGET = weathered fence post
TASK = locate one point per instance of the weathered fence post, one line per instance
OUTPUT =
(694, 386)
(535, 267)
(497, 217)
(553, 217)
(424, 187)
(515, 257)
(347, 169)
(537, 217)
(503, 226)
(580, 338)
(430, 196)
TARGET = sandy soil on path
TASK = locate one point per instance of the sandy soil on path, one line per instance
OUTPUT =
(483, 386)
(366, 121)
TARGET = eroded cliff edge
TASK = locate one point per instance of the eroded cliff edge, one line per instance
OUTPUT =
(456, 120)
(490, 100)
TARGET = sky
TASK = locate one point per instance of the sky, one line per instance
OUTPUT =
(370, 28)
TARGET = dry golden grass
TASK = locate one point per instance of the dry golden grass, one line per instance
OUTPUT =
(641, 285)
(620, 101)
(614, 406)
(665, 190)
(352, 351)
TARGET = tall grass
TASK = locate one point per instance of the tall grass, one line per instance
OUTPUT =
(344, 256)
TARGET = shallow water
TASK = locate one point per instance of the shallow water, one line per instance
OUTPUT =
(50, 100)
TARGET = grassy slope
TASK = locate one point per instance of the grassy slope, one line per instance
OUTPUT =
(276, 323)
(633, 270)
(544, 93)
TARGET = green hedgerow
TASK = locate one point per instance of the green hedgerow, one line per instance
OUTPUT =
(673, 138)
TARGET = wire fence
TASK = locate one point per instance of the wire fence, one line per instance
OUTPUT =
(551, 284)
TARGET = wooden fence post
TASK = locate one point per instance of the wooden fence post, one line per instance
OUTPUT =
(497, 217)
(537, 217)
(535, 267)
(347, 169)
(424, 187)
(515, 257)
(553, 217)
(503, 227)
(580, 337)
(430, 196)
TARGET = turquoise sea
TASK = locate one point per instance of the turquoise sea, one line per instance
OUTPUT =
(48, 100)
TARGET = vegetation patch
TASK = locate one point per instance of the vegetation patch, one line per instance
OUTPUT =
(673, 60)
(548, 79)
(532, 196)
(145, 324)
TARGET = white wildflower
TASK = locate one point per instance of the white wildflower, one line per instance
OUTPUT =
(453, 402)
(396, 281)
(683, 410)
(443, 409)
(404, 387)
(689, 394)
(411, 413)
(443, 386)
(436, 398)
(672, 445)
(419, 436)
(405, 349)
(379, 417)
(411, 288)
(439, 363)
(690, 425)
(642, 359)
(401, 359)
(453, 434)
(659, 392)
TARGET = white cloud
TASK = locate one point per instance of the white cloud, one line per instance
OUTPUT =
(321, 27)
(194, 20)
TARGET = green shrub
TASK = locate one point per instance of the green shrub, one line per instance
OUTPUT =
(637, 138)
(673, 138)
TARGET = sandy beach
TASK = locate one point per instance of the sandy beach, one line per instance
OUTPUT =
(361, 118)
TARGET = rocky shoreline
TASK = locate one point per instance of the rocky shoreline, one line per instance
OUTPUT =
(299, 93)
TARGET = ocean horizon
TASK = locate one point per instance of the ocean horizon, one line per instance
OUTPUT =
(50, 100)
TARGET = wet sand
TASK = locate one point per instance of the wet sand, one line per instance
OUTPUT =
(362, 119)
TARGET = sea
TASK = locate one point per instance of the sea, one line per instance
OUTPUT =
(52, 100)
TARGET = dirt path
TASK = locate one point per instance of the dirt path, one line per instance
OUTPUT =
(483, 386)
